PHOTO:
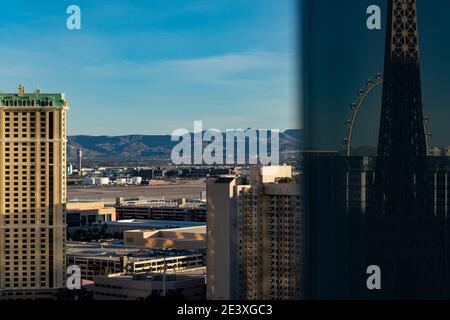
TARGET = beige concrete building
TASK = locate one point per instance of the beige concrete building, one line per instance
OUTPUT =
(179, 238)
(187, 284)
(85, 213)
(254, 236)
(32, 193)
(269, 174)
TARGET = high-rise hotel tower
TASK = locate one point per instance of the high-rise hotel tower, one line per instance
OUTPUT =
(254, 236)
(32, 194)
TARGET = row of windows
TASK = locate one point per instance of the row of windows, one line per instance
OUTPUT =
(20, 222)
(24, 155)
(28, 103)
(115, 295)
(24, 268)
(24, 232)
(31, 122)
(32, 284)
(14, 260)
(98, 285)
(23, 241)
(17, 136)
(31, 143)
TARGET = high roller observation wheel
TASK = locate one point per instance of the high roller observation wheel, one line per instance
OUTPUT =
(356, 107)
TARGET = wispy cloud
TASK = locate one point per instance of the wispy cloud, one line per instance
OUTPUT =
(231, 68)
(172, 62)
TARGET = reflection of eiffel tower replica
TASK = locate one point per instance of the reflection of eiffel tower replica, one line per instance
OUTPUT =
(403, 236)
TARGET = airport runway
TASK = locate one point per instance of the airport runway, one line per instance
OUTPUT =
(110, 193)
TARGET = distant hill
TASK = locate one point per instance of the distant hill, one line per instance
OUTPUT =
(131, 147)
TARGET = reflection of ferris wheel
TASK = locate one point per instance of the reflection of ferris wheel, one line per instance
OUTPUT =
(356, 107)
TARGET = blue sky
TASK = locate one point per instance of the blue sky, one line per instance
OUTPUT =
(152, 66)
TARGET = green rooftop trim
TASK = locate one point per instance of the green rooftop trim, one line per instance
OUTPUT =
(33, 100)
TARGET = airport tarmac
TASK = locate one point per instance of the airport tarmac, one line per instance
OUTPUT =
(110, 193)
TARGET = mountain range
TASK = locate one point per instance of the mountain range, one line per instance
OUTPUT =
(143, 147)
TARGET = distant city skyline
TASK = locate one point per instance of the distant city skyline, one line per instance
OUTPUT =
(149, 67)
